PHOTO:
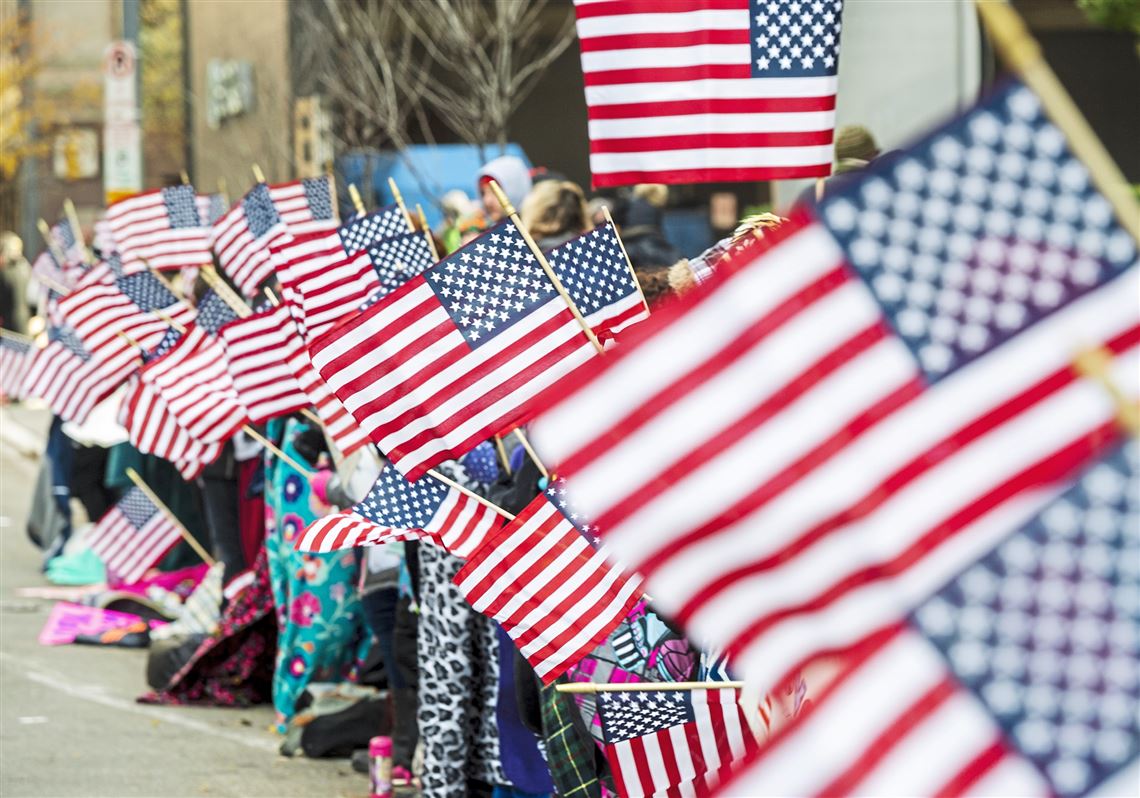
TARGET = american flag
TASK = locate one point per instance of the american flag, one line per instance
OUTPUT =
(211, 208)
(69, 379)
(398, 259)
(161, 227)
(242, 237)
(363, 230)
(133, 536)
(69, 242)
(257, 353)
(104, 305)
(1019, 676)
(672, 743)
(455, 355)
(821, 435)
(542, 581)
(15, 358)
(193, 380)
(323, 283)
(396, 509)
(306, 206)
(705, 91)
(338, 423)
(594, 271)
(153, 429)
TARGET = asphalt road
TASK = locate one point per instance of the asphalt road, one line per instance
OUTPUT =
(69, 724)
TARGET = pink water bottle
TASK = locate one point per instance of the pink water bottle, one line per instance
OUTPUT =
(380, 771)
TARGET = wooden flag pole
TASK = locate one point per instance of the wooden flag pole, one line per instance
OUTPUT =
(222, 189)
(469, 493)
(400, 202)
(54, 285)
(510, 211)
(530, 451)
(610, 221)
(502, 450)
(1023, 55)
(272, 447)
(427, 231)
(76, 230)
(161, 505)
(1096, 364)
(641, 687)
(354, 195)
(258, 175)
(210, 275)
(45, 231)
(185, 177)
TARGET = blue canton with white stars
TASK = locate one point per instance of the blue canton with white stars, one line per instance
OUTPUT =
(395, 502)
(361, 231)
(137, 508)
(318, 193)
(146, 291)
(260, 213)
(978, 232)
(593, 270)
(795, 38)
(165, 344)
(490, 284)
(19, 347)
(1045, 629)
(63, 234)
(556, 495)
(400, 258)
(181, 206)
(637, 713)
(69, 340)
(213, 313)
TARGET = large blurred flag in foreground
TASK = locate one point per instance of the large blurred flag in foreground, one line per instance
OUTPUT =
(1022, 672)
(822, 436)
(704, 91)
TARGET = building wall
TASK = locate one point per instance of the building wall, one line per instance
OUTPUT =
(257, 32)
(67, 41)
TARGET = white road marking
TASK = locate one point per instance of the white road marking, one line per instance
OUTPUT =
(97, 695)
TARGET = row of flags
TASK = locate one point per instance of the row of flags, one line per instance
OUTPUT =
(863, 437)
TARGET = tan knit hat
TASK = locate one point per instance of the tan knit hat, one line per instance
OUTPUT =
(855, 141)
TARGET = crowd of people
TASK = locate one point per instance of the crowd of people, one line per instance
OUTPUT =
(372, 640)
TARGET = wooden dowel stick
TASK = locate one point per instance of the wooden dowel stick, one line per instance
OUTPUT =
(258, 175)
(1023, 55)
(171, 323)
(184, 176)
(427, 231)
(1096, 364)
(610, 221)
(14, 336)
(53, 248)
(268, 444)
(530, 451)
(222, 189)
(470, 493)
(183, 531)
(640, 687)
(502, 450)
(214, 280)
(400, 202)
(54, 285)
(514, 217)
(819, 189)
(354, 195)
(76, 229)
